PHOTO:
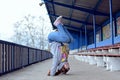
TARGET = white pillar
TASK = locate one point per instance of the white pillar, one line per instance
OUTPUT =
(99, 59)
(114, 61)
(105, 59)
(92, 59)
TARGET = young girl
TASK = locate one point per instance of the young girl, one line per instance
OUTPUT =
(57, 40)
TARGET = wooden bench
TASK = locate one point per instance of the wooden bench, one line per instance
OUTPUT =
(101, 55)
(112, 60)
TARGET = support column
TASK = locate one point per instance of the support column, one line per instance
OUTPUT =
(101, 34)
(86, 36)
(94, 27)
(111, 22)
(81, 39)
(115, 27)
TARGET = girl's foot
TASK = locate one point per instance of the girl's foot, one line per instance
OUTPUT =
(57, 21)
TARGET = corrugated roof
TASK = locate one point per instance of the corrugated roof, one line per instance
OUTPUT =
(77, 13)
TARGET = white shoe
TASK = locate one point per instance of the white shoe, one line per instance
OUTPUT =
(57, 21)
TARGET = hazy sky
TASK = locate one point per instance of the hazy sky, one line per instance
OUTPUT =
(14, 10)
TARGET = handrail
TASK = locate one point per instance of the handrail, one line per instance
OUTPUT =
(14, 56)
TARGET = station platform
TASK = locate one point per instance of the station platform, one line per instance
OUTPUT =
(79, 71)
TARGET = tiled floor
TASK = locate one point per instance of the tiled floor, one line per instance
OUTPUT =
(79, 71)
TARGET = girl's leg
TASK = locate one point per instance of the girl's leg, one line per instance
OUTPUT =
(59, 36)
(70, 36)
(62, 35)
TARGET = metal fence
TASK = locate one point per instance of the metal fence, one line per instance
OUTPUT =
(14, 56)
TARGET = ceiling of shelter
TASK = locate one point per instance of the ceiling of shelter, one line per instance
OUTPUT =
(78, 13)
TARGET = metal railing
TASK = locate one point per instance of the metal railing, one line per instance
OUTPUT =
(14, 56)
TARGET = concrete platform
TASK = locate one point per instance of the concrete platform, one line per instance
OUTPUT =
(79, 71)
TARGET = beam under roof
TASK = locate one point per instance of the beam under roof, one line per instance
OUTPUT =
(96, 6)
(75, 28)
(90, 11)
(74, 20)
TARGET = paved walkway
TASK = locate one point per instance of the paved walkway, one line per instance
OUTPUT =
(79, 71)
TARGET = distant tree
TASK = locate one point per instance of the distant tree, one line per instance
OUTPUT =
(32, 31)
